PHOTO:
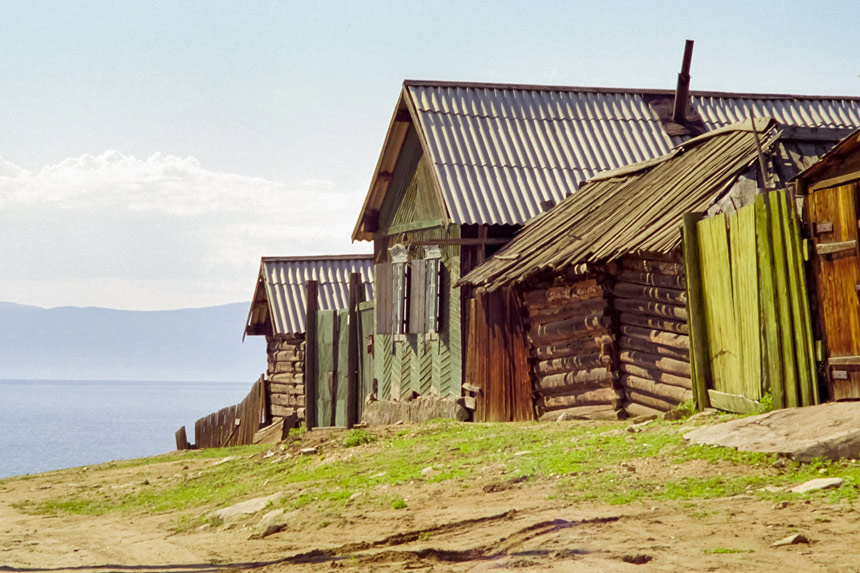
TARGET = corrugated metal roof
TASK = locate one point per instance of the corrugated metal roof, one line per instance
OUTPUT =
(501, 151)
(634, 209)
(285, 279)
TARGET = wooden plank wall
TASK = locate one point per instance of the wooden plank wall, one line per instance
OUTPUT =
(221, 429)
(649, 299)
(498, 359)
(571, 345)
(756, 306)
(285, 376)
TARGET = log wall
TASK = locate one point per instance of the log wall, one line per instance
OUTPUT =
(649, 299)
(571, 340)
(285, 378)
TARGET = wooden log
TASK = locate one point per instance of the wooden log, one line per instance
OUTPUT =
(652, 266)
(291, 355)
(287, 400)
(651, 308)
(285, 388)
(656, 293)
(286, 368)
(584, 345)
(282, 411)
(656, 375)
(181, 439)
(567, 310)
(655, 362)
(651, 322)
(661, 337)
(288, 377)
(555, 331)
(663, 391)
(635, 410)
(594, 377)
(649, 400)
(653, 279)
(584, 398)
(553, 296)
(569, 363)
(628, 343)
(599, 412)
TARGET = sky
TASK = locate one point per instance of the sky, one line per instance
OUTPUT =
(152, 152)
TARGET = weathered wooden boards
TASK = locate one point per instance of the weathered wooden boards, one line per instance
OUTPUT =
(286, 377)
(649, 297)
(233, 425)
(572, 345)
(497, 364)
(756, 304)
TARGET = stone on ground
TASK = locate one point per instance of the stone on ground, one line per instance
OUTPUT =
(830, 431)
(245, 508)
(817, 484)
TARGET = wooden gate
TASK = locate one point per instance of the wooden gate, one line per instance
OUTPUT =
(755, 307)
(338, 360)
(834, 220)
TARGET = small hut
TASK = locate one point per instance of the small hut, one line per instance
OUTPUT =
(278, 312)
(625, 318)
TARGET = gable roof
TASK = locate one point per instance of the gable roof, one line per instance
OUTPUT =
(280, 296)
(630, 210)
(502, 153)
(836, 155)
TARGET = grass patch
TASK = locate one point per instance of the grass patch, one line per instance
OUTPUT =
(585, 461)
(724, 551)
(355, 438)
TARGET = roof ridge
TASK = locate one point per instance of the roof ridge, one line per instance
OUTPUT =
(309, 258)
(633, 91)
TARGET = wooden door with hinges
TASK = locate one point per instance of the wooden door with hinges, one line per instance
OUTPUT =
(834, 220)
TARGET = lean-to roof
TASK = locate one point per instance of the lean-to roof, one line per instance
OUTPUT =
(630, 210)
(280, 296)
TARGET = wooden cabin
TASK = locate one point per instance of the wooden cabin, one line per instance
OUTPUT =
(278, 312)
(465, 165)
(829, 192)
(627, 315)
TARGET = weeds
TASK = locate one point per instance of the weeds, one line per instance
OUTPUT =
(357, 438)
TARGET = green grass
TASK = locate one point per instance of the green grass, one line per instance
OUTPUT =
(581, 462)
(724, 551)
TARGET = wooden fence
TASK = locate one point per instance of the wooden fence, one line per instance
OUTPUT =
(231, 426)
(753, 315)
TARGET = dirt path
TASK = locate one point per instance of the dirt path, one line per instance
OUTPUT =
(444, 529)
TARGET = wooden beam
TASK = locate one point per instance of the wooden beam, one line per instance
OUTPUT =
(831, 248)
(700, 368)
(354, 343)
(462, 242)
(312, 289)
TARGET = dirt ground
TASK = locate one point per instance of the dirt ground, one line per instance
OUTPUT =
(446, 527)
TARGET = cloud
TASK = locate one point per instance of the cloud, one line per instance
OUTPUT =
(115, 228)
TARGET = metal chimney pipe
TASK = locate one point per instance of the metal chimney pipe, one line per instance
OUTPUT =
(682, 92)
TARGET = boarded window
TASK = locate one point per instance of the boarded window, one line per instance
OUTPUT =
(433, 292)
(384, 299)
(417, 292)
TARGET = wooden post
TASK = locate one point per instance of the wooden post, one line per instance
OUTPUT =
(354, 344)
(699, 362)
(311, 307)
(181, 439)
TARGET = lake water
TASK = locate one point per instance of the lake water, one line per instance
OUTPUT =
(49, 424)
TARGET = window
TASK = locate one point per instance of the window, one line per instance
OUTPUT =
(408, 293)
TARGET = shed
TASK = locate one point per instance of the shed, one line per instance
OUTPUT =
(615, 301)
(278, 312)
(829, 189)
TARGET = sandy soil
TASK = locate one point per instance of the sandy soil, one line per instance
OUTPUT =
(447, 527)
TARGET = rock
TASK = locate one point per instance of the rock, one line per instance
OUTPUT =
(773, 488)
(245, 508)
(227, 459)
(780, 463)
(268, 454)
(308, 451)
(644, 419)
(428, 471)
(355, 496)
(817, 484)
(420, 409)
(523, 453)
(706, 413)
(830, 431)
(271, 523)
(791, 540)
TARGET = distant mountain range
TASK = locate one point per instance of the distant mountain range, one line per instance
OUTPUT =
(71, 343)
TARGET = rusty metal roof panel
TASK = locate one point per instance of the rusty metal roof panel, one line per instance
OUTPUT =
(501, 153)
(285, 280)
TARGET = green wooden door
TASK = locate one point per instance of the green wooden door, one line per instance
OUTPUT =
(326, 375)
